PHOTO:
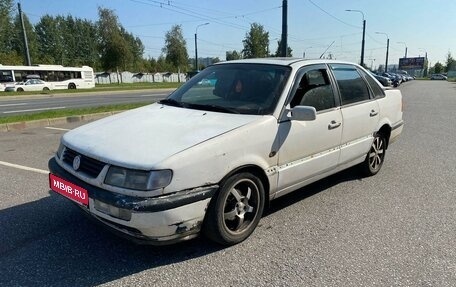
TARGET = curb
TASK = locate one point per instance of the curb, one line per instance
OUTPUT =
(54, 121)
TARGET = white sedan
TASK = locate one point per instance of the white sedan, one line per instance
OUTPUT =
(29, 85)
(213, 154)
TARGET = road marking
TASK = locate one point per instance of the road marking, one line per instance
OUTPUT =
(12, 105)
(57, 129)
(33, 110)
(154, 95)
(42, 171)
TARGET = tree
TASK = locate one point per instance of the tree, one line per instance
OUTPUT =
(279, 49)
(85, 40)
(233, 55)
(256, 42)
(175, 49)
(113, 47)
(50, 39)
(136, 48)
(68, 41)
(450, 63)
(8, 56)
(6, 25)
(164, 65)
(438, 68)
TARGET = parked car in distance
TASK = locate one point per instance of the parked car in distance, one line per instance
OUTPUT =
(237, 135)
(386, 82)
(405, 76)
(396, 80)
(438, 77)
(29, 85)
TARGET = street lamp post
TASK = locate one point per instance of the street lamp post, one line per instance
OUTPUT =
(304, 53)
(364, 34)
(405, 48)
(372, 64)
(196, 45)
(387, 49)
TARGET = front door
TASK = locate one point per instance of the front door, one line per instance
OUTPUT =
(310, 148)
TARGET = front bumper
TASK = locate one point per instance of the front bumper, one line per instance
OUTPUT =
(156, 220)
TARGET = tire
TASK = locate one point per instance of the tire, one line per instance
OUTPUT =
(46, 89)
(234, 212)
(71, 86)
(376, 156)
(20, 89)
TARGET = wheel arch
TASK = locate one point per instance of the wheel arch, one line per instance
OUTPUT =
(215, 226)
(255, 170)
(385, 130)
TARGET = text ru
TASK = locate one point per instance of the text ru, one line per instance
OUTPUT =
(68, 189)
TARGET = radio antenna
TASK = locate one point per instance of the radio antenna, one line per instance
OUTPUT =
(327, 49)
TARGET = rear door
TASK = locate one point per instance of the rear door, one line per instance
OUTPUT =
(360, 112)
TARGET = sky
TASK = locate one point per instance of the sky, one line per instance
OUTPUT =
(423, 26)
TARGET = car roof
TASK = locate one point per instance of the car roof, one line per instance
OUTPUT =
(285, 61)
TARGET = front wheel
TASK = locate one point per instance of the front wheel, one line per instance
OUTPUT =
(235, 211)
(375, 156)
(71, 86)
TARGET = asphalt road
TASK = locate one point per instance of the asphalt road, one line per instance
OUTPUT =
(397, 228)
(16, 105)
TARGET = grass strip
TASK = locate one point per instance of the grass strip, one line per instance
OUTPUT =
(69, 112)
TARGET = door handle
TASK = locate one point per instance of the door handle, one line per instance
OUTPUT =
(334, 125)
(373, 113)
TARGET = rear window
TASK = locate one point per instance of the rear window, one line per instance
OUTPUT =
(352, 87)
(376, 89)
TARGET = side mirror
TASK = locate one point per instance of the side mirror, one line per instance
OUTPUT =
(303, 113)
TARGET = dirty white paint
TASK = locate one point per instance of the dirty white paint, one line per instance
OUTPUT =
(202, 147)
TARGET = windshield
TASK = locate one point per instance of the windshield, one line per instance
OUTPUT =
(233, 88)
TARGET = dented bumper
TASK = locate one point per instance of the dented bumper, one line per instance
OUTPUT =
(154, 220)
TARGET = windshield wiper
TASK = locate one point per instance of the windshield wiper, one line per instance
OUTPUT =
(171, 102)
(213, 108)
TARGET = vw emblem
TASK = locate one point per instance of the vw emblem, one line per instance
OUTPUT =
(77, 162)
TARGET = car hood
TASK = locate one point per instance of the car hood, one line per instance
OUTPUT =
(144, 137)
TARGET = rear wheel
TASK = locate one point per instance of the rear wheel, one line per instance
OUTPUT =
(375, 156)
(20, 89)
(235, 211)
(45, 89)
(71, 86)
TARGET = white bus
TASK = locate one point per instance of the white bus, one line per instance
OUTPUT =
(57, 76)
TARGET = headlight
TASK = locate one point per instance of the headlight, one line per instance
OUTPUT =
(138, 179)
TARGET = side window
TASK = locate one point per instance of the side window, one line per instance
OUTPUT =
(314, 90)
(376, 89)
(6, 76)
(351, 85)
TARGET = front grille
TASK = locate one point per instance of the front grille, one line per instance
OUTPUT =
(89, 166)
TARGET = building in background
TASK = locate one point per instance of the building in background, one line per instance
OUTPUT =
(413, 66)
